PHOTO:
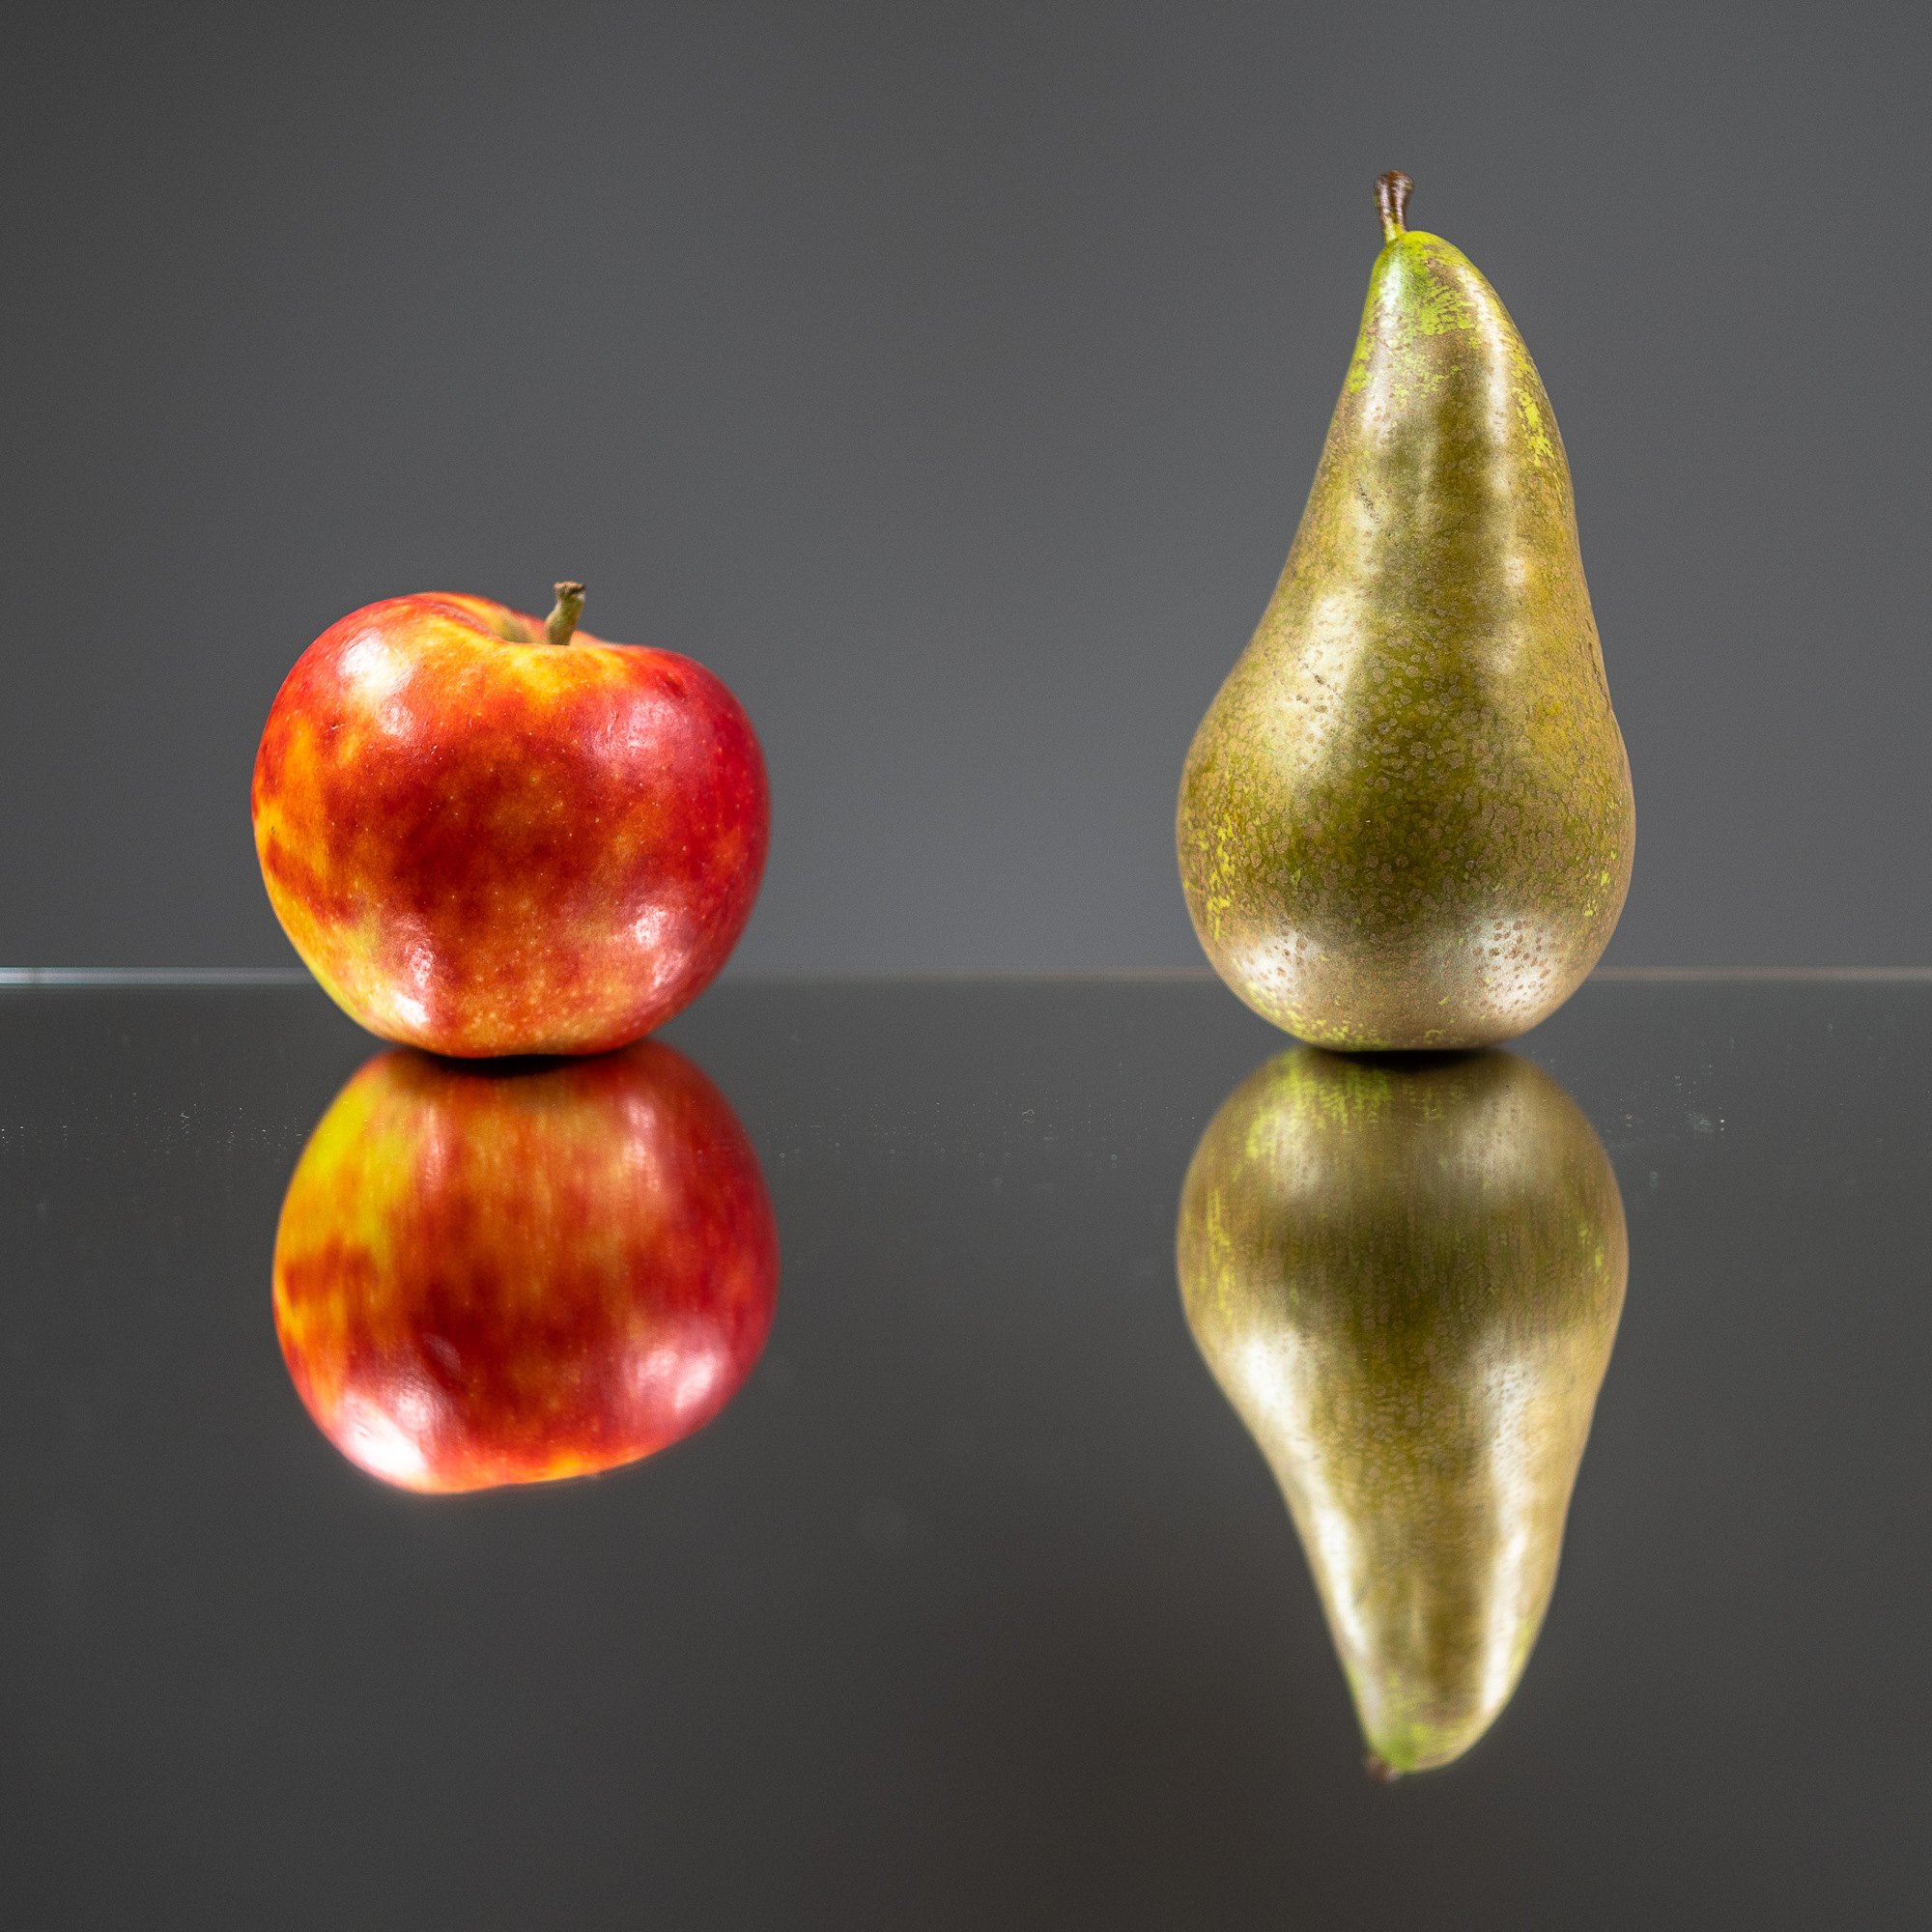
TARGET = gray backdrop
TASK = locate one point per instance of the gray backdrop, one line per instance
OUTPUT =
(949, 378)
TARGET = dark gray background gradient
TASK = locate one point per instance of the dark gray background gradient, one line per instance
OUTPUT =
(949, 378)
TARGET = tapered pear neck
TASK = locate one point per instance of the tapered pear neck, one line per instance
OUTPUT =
(1392, 192)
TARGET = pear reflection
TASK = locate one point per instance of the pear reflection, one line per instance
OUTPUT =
(1407, 1276)
(512, 1272)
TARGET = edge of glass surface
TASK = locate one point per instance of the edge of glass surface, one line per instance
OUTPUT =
(1762, 973)
(297, 976)
(153, 975)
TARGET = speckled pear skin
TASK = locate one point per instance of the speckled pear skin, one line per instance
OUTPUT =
(1407, 1277)
(1406, 820)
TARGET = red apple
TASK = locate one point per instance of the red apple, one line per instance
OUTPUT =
(490, 835)
(516, 1272)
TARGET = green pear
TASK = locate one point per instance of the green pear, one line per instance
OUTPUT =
(1406, 820)
(1406, 1278)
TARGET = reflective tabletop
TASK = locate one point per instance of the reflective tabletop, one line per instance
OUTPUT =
(967, 1453)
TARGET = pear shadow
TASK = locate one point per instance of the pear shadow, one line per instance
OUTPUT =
(1399, 1060)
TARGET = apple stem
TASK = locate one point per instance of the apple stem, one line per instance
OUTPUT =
(563, 621)
(1392, 192)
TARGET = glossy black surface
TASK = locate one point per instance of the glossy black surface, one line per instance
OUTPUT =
(978, 1606)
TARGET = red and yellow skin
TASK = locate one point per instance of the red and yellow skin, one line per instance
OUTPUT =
(481, 842)
(521, 1272)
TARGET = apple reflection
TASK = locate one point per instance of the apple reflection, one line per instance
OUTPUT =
(1407, 1275)
(514, 1271)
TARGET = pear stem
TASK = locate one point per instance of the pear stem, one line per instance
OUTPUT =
(563, 621)
(1374, 1764)
(1392, 192)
